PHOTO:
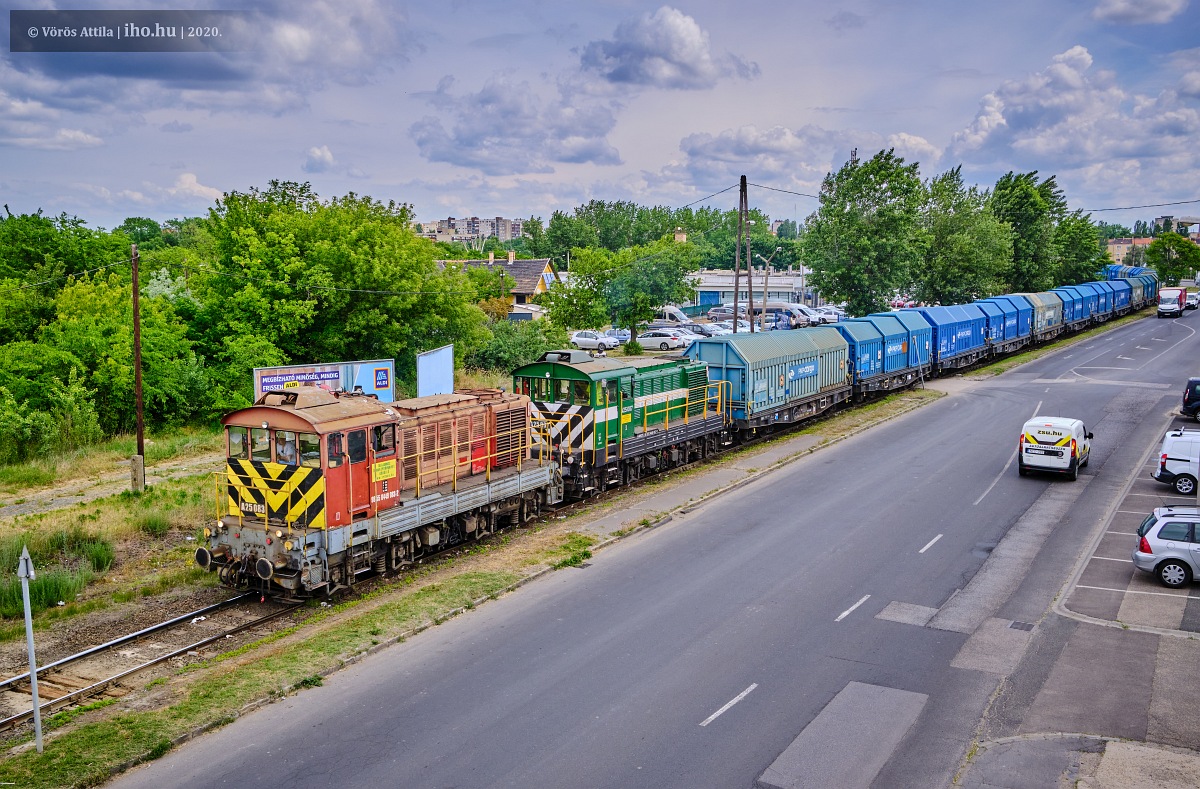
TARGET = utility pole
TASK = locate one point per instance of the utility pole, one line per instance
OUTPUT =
(137, 463)
(737, 252)
(26, 573)
(749, 271)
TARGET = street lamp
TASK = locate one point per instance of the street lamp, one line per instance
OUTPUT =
(766, 274)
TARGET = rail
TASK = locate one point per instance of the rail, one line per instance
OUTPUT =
(73, 697)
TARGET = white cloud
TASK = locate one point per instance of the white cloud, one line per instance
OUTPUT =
(187, 185)
(666, 49)
(1139, 12)
(318, 160)
(58, 140)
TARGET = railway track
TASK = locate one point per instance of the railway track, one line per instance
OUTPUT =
(99, 670)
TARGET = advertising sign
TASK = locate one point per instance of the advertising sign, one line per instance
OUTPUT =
(377, 377)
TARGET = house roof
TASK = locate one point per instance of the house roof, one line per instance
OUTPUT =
(526, 273)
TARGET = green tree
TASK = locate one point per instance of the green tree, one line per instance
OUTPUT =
(533, 237)
(566, 233)
(515, 343)
(787, 230)
(94, 323)
(325, 281)
(645, 278)
(1173, 257)
(968, 250)
(146, 233)
(1136, 256)
(1080, 253)
(581, 302)
(1142, 229)
(1107, 230)
(1030, 207)
(866, 239)
(34, 248)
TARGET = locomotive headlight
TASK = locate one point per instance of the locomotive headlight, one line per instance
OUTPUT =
(287, 546)
(207, 532)
(570, 460)
(278, 532)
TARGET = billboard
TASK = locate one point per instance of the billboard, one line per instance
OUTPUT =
(435, 371)
(377, 377)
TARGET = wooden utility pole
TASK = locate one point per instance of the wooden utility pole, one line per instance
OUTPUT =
(749, 259)
(137, 462)
(737, 252)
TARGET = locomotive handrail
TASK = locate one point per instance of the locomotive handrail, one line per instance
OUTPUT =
(422, 458)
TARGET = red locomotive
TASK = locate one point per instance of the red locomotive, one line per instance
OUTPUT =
(323, 486)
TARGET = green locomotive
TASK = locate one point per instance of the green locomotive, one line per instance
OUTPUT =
(609, 421)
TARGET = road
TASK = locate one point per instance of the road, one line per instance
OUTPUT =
(833, 612)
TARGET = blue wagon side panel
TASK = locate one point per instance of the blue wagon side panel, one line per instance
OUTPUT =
(1123, 293)
(865, 348)
(895, 341)
(920, 336)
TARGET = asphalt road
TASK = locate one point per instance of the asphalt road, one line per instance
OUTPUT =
(838, 604)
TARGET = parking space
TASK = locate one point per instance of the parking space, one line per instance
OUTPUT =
(1111, 589)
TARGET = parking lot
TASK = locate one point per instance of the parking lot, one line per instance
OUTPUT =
(1111, 589)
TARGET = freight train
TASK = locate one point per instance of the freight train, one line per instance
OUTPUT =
(321, 487)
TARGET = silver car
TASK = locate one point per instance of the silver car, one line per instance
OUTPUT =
(1169, 545)
(594, 341)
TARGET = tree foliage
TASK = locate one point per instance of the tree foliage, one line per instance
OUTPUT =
(1030, 207)
(1080, 253)
(969, 249)
(1173, 257)
(866, 240)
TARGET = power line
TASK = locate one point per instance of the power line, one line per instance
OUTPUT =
(65, 276)
(1132, 207)
(711, 196)
(785, 191)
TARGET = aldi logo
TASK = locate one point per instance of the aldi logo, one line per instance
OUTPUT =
(383, 378)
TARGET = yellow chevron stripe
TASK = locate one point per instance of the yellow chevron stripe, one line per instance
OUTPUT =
(249, 494)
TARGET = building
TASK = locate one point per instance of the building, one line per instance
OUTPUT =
(532, 277)
(474, 229)
(716, 287)
(1118, 248)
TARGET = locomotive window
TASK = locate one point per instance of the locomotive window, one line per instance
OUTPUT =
(260, 444)
(383, 439)
(612, 392)
(582, 393)
(239, 447)
(357, 446)
(310, 450)
(333, 446)
(524, 386)
(285, 447)
(562, 391)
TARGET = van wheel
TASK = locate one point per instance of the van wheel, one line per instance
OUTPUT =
(1086, 459)
(1022, 471)
(1185, 485)
(1174, 574)
(1074, 473)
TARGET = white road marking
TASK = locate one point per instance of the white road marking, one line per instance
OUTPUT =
(1158, 339)
(929, 544)
(1110, 559)
(1164, 496)
(1122, 533)
(1143, 348)
(850, 610)
(1134, 591)
(1127, 358)
(733, 701)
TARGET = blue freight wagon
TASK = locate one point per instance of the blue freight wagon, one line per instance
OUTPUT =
(1003, 316)
(1074, 317)
(1122, 293)
(1093, 301)
(993, 323)
(898, 366)
(777, 377)
(920, 338)
(1024, 312)
(958, 338)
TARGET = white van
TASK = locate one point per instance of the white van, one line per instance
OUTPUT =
(670, 314)
(1053, 443)
(1179, 461)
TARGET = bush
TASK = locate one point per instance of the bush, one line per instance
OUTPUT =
(515, 343)
(633, 348)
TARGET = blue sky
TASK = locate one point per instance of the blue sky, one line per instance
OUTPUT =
(522, 107)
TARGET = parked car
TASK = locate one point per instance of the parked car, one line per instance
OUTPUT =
(593, 341)
(776, 322)
(742, 325)
(701, 329)
(1193, 300)
(833, 313)
(1169, 545)
(620, 335)
(1179, 461)
(815, 316)
(663, 339)
(725, 312)
(1191, 399)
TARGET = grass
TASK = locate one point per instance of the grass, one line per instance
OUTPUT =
(572, 552)
(213, 693)
(111, 455)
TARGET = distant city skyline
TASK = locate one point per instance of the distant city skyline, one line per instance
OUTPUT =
(473, 108)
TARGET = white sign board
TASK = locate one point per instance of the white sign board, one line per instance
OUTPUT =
(435, 371)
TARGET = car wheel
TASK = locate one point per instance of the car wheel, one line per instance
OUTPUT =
(1086, 459)
(1196, 415)
(662, 346)
(1174, 574)
(1074, 472)
(1185, 485)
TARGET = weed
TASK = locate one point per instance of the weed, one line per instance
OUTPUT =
(311, 681)
(154, 683)
(159, 750)
(155, 524)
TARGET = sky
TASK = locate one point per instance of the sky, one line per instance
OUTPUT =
(523, 107)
